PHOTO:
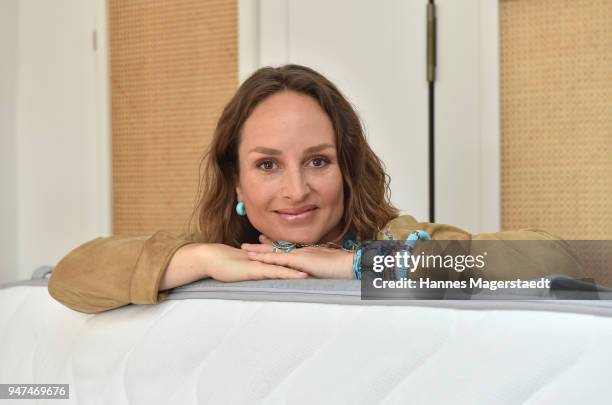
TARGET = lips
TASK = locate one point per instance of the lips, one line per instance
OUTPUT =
(295, 214)
(296, 211)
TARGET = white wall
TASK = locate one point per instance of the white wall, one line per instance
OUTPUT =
(57, 130)
(8, 147)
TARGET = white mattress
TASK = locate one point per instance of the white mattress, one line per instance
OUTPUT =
(222, 351)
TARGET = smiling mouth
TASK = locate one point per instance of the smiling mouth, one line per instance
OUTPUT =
(297, 214)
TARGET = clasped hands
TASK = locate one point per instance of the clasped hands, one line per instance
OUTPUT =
(318, 262)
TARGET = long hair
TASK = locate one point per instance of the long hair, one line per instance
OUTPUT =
(366, 185)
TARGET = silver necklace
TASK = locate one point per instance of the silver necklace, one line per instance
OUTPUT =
(284, 246)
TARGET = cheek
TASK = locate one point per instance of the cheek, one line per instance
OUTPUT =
(255, 192)
(332, 191)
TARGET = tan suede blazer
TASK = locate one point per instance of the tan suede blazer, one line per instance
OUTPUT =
(107, 273)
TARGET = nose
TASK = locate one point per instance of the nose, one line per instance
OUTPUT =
(295, 186)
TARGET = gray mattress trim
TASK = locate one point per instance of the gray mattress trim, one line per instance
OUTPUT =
(348, 292)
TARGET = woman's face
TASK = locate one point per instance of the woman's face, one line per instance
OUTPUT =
(289, 178)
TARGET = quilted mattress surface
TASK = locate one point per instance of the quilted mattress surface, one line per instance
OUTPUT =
(243, 351)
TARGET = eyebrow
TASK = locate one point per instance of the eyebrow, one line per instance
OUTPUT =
(270, 151)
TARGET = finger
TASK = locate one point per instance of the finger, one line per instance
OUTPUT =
(279, 259)
(318, 249)
(287, 274)
(273, 272)
(256, 247)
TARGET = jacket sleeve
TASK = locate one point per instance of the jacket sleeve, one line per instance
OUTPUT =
(509, 257)
(107, 273)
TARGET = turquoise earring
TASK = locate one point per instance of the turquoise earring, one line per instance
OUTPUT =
(240, 210)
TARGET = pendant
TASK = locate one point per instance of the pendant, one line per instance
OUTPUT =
(283, 246)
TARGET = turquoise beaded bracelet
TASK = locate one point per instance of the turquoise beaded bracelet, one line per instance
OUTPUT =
(410, 243)
(357, 263)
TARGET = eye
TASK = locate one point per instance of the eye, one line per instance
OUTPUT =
(266, 165)
(319, 162)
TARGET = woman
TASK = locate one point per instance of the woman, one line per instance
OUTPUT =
(288, 161)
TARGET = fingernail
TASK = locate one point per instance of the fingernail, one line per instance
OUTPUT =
(251, 253)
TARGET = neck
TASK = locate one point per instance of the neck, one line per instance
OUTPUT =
(333, 236)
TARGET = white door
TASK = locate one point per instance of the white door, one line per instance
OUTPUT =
(63, 160)
(467, 115)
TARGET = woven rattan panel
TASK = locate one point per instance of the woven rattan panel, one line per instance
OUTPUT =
(557, 116)
(173, 67)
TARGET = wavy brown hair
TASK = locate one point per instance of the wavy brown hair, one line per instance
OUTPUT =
(366, 185)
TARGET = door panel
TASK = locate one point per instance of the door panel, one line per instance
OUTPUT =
(467, 117)
(63, 165)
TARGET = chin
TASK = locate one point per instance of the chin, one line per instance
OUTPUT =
(298, 236)
(307, 241)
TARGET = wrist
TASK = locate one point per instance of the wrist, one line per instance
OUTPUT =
(345, 267)
(207, 254)
(185, 266)
(349, 267)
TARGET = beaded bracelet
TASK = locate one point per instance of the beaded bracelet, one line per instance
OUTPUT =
(409, 243)
(357, 263)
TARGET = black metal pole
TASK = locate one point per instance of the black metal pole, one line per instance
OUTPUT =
(431, 78)
(432, 166)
